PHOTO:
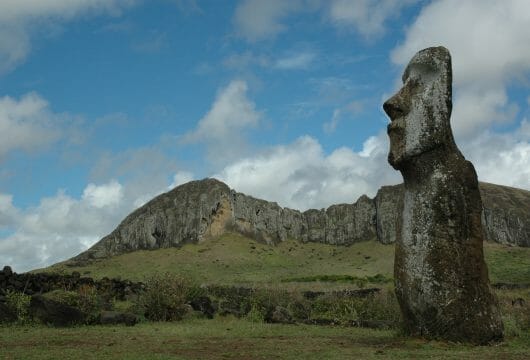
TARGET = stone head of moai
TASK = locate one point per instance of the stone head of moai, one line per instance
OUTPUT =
(420, 111)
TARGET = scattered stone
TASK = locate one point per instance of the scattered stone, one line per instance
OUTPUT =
(204, 305)
(54, 313)
(280, 315)
(441, 278)
(117, 318)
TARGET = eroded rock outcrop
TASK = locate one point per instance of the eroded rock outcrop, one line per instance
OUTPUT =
(506, 215)
(441, 279)
(206, 208)
(201, 209)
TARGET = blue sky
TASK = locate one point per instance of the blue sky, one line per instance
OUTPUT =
(106, 103)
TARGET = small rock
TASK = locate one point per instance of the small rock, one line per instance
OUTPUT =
(280, 315)
(115, 318)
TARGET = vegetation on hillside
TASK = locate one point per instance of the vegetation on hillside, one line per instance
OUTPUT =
(233, 259)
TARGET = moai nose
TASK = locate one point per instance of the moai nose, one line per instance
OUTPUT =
(394, 107)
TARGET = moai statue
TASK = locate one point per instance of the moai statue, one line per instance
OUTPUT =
(441, 279)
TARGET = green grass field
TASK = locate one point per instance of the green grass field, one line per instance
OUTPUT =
(234, 259)
(230, 338)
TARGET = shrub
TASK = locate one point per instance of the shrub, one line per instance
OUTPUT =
(89, 302)
(18, 303)
(255, 314)
(382, 306)
(341, 309)
(164, 297)
(70, 298)
(299, 307)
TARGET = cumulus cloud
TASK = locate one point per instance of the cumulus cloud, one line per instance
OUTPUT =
(26, 124)
(18, 18)
(478, 108)
(301, 176)
(107, 195)
(59, 226)
(221, 128)
(501, 158)
(485, 40)
(181, 177)
(365, 16)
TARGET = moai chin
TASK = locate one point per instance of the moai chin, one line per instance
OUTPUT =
(441, 279)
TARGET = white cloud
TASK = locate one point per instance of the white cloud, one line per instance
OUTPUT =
(26, 124)
(484, 37)
(221, 128)
(301, 176)
(524, 129)
(18, 18)
(302, 60)
(501, 158)
(366, 16)
(62, 226)
(103, 195)
(258, 20)
(180, 178)
(330, 126)
(477, 107)
(352, 108)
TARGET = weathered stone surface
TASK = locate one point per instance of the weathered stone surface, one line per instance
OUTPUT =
(506, 215)
(198, 210)
(388, 204)
(54, 313)
(440, 275)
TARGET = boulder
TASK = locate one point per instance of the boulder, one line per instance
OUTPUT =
(54, 313)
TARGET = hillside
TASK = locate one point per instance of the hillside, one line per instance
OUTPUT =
(202, 210)
(234, 259)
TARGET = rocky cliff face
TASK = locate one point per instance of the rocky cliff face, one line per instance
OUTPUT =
(202, 209)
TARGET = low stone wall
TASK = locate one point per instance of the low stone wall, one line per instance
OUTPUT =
(40, 283)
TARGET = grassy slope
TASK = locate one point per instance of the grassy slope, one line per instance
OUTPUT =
(234, 259)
